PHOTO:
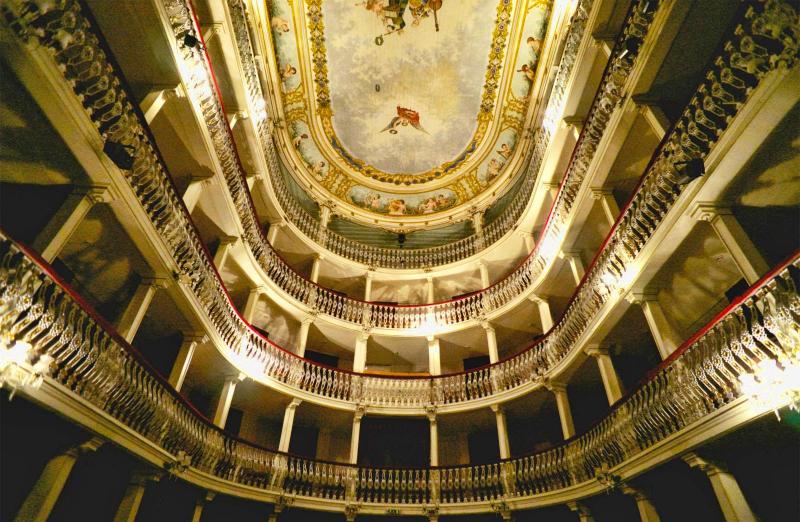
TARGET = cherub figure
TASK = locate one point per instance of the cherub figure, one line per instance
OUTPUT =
(397, 207)
(299, 138)
(505, 151)
(279, 25)
(288, 71)
(318, 170)
(493, 170)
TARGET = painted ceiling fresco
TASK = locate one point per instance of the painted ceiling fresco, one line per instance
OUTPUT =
(406, 107)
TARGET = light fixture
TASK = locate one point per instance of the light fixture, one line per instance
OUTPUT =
(774, 384)
(19, 368)
(121, 155)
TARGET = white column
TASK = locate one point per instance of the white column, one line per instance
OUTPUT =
(665, 335)
(181, 366)
(225, 399)
(368, 285)
(360, 355)
(132, 499)
(194, 190)
(52, 239)
(656, 118)
(491, 342)
(530, 242)
(584, 514)
(430, 294)
(575, 264)
(302, 335)
(434, 437)
(288, 422)
(545, 316)
(607, 203)
(251, 305)
(477, 225)
(200, 504)
(314, 277)
(574, 124)
(324, 215)
(132, 316)
(45, 492)
(564, 412)
(359, 413)
(485, 282)
(744, 253)
(647, 511)
(154, 101)
(226, 244)
(607, 372)
(434, 356)
(274, 228)
(502, 431)
(729, 495)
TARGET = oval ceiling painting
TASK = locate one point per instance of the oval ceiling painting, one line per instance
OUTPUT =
(406, 78)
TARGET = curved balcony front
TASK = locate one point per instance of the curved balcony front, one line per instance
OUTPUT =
(726, 89)
(59, 352)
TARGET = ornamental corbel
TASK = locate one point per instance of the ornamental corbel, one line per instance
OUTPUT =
(350, 512)
(180, 464)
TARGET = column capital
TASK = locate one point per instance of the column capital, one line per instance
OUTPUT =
(599, 193)
(497, 408)
(706, 466)
(430, 412)
(579, 508)
(294, 403)
(141, 477)
(525, 233)
(641, 296)
(227, 240)
(370, 273)
(596, 350)
(705, 211)
(486, 325)
(364, 334)
(359, 413)
(155, 282)
(555, 386)
(569, 254)
(94, 193)
(538, 299)
(573, 121)
(86, 447)
(195, 337)
(638, 494)
(235, 377)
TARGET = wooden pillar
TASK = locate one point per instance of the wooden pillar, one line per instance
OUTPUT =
(132, 499)
(665, 335)
(288, 423)
(607, 373)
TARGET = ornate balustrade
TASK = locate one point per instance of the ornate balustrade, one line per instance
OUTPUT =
(48, 332)
(762, 42)
(406, 317)
(422, 257)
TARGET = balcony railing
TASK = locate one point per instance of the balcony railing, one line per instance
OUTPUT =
(762, 42)
(48, 333)
(407, 317)
(374, 256)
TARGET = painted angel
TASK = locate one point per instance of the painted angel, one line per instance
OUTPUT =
(404, 118)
